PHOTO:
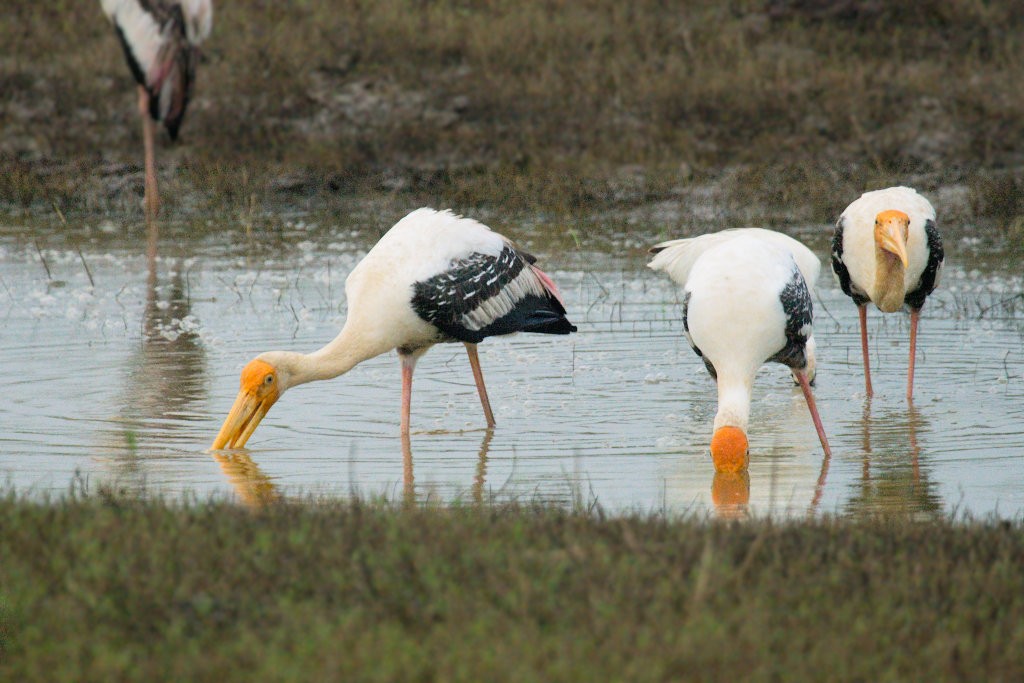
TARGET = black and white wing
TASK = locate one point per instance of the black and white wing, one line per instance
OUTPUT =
(481, 295)
(160, 39)
(930, 277)
(798, 307)
(840, 270)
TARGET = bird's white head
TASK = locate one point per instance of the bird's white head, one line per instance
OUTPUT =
(892, 228)
(261, 385)
(729, 449)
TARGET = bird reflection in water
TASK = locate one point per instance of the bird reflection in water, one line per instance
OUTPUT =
(167, 374)
(730, 493)
(479, 479)
(171, 367)
(819, 486)
(253, 487)
(892, 479)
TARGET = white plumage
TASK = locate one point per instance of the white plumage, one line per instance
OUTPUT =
(676, 257)
(746, 302)
(859, 242)
(417, 248)
(160, 39)
(433, 277)
(887, 250)
(145, 33)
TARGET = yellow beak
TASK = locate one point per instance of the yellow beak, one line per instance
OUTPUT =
(241, 422)
(891, 239)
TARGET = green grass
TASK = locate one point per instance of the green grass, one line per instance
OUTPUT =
(535, 105)
(104, 588)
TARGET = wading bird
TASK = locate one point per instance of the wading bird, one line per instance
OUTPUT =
(886, 250)
(160, 40)
(433, 277)
(745, 302)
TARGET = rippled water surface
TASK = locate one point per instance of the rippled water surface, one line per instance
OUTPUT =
(121, 370)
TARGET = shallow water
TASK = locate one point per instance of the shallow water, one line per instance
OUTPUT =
(119, 372)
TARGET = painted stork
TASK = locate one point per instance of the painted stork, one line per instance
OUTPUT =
(433, 277)
(160, 40)
(745, 302)
(886, 250)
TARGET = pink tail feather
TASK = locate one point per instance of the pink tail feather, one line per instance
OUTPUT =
(549, 284)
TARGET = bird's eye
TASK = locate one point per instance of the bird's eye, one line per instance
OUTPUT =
(269, 379)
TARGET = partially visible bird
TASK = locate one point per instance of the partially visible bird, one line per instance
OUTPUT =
(887, 250)
(433, 277)
(745, 302)
(160, 39)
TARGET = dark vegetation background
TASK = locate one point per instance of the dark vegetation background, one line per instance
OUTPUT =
(790, 106)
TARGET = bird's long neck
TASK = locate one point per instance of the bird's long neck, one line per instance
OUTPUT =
(336, 358)
(734, 391)
(889, 271)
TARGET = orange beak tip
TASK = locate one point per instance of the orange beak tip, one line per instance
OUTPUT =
(246, 414)
(729, 450)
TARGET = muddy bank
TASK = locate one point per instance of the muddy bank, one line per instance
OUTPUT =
(765, 112)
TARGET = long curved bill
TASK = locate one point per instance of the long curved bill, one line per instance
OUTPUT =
(806, 386)
(241, 422)
(893, 242)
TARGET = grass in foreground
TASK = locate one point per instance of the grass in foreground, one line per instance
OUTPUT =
(111, 589)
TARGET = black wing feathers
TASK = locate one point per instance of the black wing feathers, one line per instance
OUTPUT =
(176, 57)
(840, 269)
(799, 310)
(936, 255)
(481, 296)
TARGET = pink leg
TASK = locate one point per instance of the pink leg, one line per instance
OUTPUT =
(805, 385)
(478, 375)
(863, 311)
(408, 363)
(915, 314)
(148, 133)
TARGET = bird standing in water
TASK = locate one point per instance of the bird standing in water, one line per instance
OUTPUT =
(745, 302)
(887, 250)
(160, 40)
(433, 277)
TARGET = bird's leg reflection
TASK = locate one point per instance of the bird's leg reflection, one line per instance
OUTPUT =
(890, 479)
(913, 419)
(252, 486)
(730, 493)
(152, 237)
(819, 487)
(865, 425)
(408, 481)
(481, 468)
(167, 373)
